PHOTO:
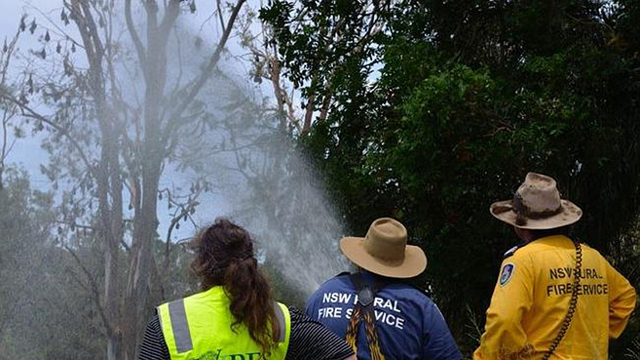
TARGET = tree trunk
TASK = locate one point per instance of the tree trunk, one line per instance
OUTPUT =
(138, 285)
(111, 225)
(112, 255)
(137, 305)
(107, 173)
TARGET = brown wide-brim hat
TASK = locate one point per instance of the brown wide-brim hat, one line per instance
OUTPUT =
(384, 250)
(536, 205)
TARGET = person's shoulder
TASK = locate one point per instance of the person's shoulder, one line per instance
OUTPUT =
(524, 252)
(176, 300)
(587, 248)
(517, 258)
(419, 291)
(420, 298)
(338, 282)
(509, 253)
(342, 278)
(518, 253)
(594, 254)
(416, 293)
(342, 275)
(295, 314)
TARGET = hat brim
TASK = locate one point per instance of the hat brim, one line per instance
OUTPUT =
(414, 263)
(571, 213)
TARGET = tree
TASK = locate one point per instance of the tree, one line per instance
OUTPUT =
(447, 107)
(111, 144)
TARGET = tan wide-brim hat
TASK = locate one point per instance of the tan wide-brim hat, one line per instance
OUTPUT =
(384, 250)
(536, 205)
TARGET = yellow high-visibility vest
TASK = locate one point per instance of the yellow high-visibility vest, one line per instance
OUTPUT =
(531, 299)
(198, 327)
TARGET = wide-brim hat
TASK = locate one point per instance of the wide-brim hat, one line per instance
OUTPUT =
(537, 205)
(384, 250)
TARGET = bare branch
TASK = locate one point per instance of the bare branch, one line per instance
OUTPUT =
(199, 81)
(220, 16)
(95, 292)
(93, 29)
(6, 58)
(30, 113)
(308, 116)
(76, 225)
(171, 14)
(124, 245)
(56, 26)
(3, 156)
(142, 57)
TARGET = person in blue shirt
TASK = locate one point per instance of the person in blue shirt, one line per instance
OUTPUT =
(379, 315)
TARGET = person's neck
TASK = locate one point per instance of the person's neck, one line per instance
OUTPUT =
(533, 238)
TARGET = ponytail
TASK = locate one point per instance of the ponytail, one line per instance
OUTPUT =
(251, 302)
(224, 257)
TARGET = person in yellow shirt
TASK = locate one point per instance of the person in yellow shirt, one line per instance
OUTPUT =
(555, 298)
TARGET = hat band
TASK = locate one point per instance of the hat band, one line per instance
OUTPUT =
(523, 212)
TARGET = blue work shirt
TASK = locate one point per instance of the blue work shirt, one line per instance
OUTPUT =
(410, 325)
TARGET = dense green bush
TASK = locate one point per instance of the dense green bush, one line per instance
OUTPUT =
(450, 104)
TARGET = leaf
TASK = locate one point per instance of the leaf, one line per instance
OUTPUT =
(23, 26)
(192, 6)
(33, 26)
(30, 85)
(17, 131)
(47, 37)
(73, 47)
(68, 68)
(59, 48)
(64, 17)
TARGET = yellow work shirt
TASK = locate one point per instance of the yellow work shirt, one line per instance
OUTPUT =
(531, 299)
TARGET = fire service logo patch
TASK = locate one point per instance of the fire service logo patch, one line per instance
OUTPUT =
(507, 273)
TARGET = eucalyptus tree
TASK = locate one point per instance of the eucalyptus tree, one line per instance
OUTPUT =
(110, 90)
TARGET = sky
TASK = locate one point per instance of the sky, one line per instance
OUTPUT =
(26, 152)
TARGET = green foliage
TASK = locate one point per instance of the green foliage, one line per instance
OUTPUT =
(625, 257)
(46, 312)
(464, 99)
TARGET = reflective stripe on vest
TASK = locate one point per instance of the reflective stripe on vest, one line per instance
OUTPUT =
(200, 327)
(180, 326)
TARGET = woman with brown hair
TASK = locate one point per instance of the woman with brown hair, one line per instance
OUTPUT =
(235, 316)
